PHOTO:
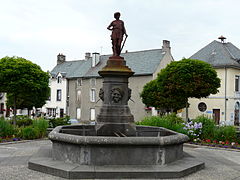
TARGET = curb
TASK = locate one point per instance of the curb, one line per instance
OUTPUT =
(210, 147)
(21, 141)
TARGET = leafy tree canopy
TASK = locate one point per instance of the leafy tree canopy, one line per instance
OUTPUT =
(155, 95)
(23, 81)
(179, 81)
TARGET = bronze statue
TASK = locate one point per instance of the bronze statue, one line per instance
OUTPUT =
(118, 30)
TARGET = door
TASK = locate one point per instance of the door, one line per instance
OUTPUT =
(216, 115)
(61, 113)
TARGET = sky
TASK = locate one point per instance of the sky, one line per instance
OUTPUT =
(39, 30)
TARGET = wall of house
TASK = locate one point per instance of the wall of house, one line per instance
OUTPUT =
(218, 101)
(167, 58)
(83, 102)
(137, 108)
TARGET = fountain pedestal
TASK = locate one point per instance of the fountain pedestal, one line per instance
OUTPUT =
(115, 117)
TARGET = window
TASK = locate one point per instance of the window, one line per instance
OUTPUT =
(92, 114)
(78, 95)
(79, 82)
(51, 112)
(202, 107)
(93, 95)
(93, 82)
(78, 113)
(59, 79)
(59, 95)
(237, 83)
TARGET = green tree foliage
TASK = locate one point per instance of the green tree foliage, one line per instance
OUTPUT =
(24, 82)
(179, 81)
(156, 96)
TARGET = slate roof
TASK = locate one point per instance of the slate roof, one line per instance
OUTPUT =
(219, 54)
(141, 62)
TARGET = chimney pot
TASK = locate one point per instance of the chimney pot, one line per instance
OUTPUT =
(166, 45)
(61, 58)
(87, 55)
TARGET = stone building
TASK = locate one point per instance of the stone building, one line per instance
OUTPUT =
(223, 106)
(83, 81)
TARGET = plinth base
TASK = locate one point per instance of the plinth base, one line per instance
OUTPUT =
(43, 162)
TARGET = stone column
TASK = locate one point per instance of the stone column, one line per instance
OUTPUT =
(115, 117)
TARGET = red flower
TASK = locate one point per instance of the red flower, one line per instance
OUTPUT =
(227, 142)
(208, 140)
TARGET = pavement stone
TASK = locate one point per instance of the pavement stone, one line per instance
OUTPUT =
(220, 164)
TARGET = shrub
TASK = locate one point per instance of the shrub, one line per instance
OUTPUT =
(6, 129)
(225, 133)
(171, 121)
(40, 125)
(59, 122)
(22, 120)
(173, 118)
(208, 127)
(29, 133)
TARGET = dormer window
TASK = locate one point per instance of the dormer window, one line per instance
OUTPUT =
(59, 79)
(79, 82)
(93, 82)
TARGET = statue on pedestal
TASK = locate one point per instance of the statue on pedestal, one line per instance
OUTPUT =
(118, 30)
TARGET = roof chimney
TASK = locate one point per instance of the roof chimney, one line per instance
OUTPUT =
(222, 39)
(61, 58)
(95, 59)
(87, 55)
(166, 45)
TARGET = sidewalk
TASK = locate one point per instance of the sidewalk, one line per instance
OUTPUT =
(220, 164)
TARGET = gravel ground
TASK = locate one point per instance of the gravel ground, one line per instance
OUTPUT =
(220, 164)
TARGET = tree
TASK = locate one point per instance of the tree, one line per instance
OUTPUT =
(179, 81)
(24, 82)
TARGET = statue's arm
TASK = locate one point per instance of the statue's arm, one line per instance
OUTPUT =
(110, 27)
(124, 30)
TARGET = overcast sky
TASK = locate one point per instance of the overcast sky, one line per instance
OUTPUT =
(40, 29)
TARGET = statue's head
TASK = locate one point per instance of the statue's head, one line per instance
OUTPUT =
(117, 95)
(117, 15)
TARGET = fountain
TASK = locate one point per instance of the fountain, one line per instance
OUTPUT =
(115, 147)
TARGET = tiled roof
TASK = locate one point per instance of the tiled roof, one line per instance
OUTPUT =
(219, 54)
(68, 67)
(141, 62)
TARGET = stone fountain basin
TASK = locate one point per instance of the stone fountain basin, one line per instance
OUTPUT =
(151, 146)
(77, 153)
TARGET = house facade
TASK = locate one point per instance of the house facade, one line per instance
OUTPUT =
(84, 83)
(224, 106)
(56, 105)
